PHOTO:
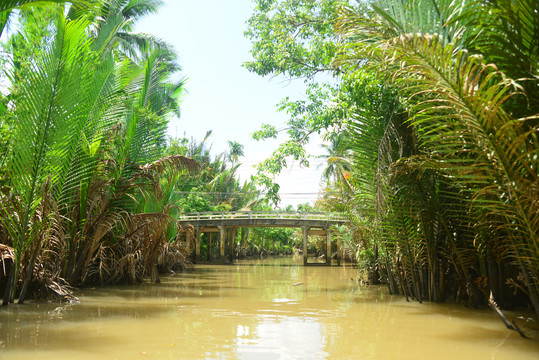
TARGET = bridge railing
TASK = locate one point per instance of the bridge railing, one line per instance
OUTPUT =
(262, 215)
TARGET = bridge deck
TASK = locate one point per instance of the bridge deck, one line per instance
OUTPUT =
(262, 219)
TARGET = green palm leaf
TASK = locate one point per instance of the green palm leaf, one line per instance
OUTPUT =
(50, 118)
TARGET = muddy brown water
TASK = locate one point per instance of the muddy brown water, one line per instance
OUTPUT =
(272, 309)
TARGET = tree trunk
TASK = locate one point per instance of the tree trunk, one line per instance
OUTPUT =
(9, 285)
(29, 273)
(374, 275)
(27, 281)
(155, 274)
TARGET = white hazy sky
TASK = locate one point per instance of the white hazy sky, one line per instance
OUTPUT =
(222, 95)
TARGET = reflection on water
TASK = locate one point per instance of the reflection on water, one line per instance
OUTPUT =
(255, 310)
(276, 337)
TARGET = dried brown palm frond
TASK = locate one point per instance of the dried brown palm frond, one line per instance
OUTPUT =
(91, 243)
(6, 255)
(39, 256)
(147, 230)
(174, 256)
(90, 224)
(128, 269)
(47, 285)
(100, 268)
(44, 224)
(142, 233)
(185, 234)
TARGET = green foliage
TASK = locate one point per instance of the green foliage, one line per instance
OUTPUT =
(195, 203)
(295, 38)
(269, 241)
(176, 146)
(451, 176)
(8, 6)
(85, 188)
(216, 186)
(306, 208)
(273, 240)
(266, 132)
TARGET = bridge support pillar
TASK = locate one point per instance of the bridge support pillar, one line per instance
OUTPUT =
(328, 246)
(197, 245)
(305, 239)
(232, 243)
(222, 231)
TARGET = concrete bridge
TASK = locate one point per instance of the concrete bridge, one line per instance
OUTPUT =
(227, 223)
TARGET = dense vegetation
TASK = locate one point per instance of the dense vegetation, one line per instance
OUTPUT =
(430, 109)
(86, 187)
(90, 183)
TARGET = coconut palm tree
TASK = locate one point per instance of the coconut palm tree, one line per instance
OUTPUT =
(338, 164)
(235, 151)
(117, 20)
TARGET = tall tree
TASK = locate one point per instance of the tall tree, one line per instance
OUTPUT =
(295, 39)
(235, 151)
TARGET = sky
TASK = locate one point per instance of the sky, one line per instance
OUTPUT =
(222, 95)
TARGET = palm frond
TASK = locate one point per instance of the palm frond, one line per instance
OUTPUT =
(50, 117)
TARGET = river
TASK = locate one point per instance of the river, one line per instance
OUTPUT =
(271, 309)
